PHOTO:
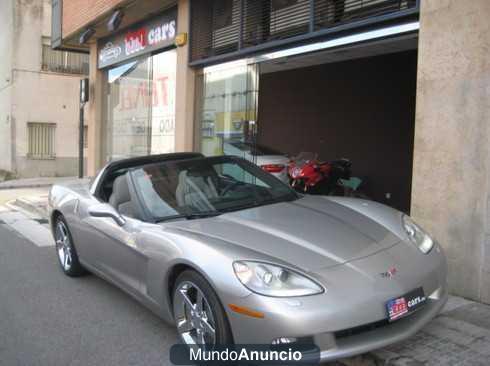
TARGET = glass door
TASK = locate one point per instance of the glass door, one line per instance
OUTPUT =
(140, 107)
(227, 109)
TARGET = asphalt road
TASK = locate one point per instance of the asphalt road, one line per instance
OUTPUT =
(47, 318)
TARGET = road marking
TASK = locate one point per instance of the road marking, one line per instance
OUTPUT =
(35, 230)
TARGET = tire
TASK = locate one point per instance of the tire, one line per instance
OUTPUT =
(187, 319)
(65, 249)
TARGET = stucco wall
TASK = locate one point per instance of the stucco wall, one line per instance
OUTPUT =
(6, 31)
(185, 87)
(451, 157)
(38, 96)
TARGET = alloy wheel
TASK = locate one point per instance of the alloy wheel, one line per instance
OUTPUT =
(194, 317)
(63, 246)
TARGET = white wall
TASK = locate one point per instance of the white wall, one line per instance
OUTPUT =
(6, 31)
(40, 96)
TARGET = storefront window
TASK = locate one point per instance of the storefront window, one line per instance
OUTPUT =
(227, 108)
(141, 107)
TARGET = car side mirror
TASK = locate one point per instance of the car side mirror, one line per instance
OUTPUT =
(106, 210)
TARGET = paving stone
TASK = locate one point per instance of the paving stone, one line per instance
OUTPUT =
(453, 338)
(455, 302)
(474, 313)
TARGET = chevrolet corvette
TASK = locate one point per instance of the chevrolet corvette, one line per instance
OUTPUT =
(232, 255)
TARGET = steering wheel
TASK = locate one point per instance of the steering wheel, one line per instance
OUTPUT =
(230, 186)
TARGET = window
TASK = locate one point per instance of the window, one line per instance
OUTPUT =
(226, 107)
(140, 107)
(281, 4)
(41, 140)
(63, 61)
(223, 13)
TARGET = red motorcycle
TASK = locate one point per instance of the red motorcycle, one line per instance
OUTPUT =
(309, 175)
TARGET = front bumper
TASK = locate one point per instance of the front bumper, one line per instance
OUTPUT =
(384, 334)
(350, 319)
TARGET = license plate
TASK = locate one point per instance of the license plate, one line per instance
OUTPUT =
(406, 304)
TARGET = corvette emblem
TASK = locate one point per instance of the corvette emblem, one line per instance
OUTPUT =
(389, 273)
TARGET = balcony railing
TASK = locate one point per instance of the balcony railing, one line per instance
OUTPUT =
(64, 61)
(226, 28)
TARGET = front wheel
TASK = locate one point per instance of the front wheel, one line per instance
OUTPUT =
(67, 254)
(199, 316)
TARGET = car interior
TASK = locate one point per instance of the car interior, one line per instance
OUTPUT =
(196, 189)
(114, 185)
(120, 197)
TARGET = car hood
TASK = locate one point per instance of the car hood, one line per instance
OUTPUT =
(310, 233)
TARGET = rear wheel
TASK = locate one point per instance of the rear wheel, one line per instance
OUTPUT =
(67, 254)
(199, 316)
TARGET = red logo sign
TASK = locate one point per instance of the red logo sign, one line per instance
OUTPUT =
(135, 41)
(397, 308)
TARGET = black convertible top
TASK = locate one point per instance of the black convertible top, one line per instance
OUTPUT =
(115, 166)
(149, 159)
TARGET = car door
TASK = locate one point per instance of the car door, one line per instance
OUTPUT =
(115, 251)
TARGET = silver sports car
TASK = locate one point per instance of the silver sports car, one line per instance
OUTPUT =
(231, 255)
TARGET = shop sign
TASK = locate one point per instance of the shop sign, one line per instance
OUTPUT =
(150, 36)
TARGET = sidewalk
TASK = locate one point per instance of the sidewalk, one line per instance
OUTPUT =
(33, 182)
(459, 335)
(30, 194)
(37, 205)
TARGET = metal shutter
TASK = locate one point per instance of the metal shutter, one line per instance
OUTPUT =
(220, 27)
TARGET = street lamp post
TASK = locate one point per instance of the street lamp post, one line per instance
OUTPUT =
(84, 97)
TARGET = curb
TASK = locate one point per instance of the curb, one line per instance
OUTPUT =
(13, 186)
(31, 207)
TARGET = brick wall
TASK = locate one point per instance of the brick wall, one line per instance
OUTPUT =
(78, 13)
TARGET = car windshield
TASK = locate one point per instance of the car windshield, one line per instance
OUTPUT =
(206, 187)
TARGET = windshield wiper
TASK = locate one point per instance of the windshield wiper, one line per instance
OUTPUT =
(190, 216)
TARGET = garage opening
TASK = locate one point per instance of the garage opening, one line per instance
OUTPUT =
(357, 102)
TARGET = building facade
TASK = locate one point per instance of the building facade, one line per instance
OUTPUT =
(399, 87)
(39, 90)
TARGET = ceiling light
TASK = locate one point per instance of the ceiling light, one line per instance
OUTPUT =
(86, 35)
(115, 20)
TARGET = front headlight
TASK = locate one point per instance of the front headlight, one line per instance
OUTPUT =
(271, 280)
(417, 235)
